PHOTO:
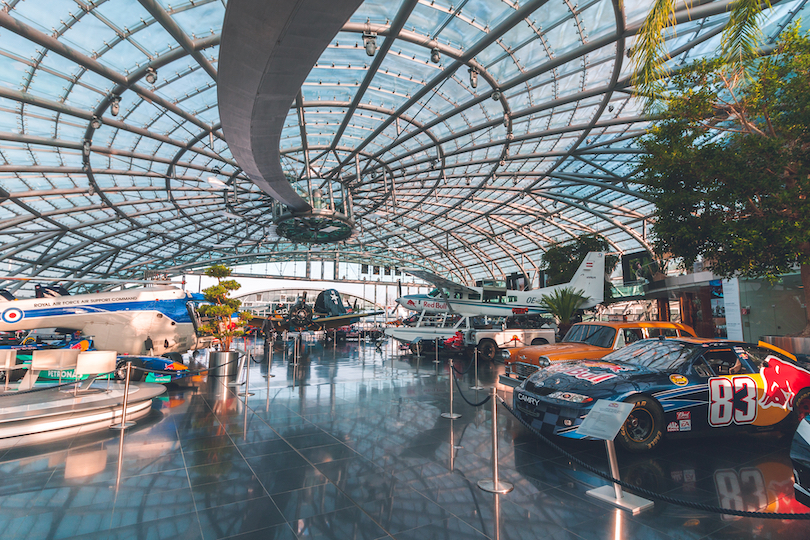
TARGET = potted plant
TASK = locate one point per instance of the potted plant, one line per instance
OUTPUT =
(563, 304)
(219, 318)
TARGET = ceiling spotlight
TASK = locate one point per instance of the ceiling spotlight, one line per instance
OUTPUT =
(86, 148)
(435, 57)
(496, 95)
(474, 77)
(506, 120)
(95, 123)
(610, 108)
(151, 75)
(370, 42)
(115, 105)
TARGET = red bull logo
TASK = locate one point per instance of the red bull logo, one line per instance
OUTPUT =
(410, 303)
(782, 381)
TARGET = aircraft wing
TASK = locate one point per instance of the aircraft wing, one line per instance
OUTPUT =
(438, 281)
(345, 318)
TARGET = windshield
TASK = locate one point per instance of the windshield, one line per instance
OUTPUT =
(592, 334)
(660, 355)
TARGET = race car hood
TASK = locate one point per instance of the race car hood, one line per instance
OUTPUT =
(572, 351)
(592, 378)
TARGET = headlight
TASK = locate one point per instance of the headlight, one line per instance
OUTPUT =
(570, 396)
(543, 361)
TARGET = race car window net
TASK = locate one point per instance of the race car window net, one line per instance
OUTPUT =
(657, 355)
(592, 334)
(722, 362)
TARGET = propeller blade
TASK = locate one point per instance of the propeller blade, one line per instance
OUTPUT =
(399, 288)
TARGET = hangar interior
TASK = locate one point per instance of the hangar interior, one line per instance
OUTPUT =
(461, 137)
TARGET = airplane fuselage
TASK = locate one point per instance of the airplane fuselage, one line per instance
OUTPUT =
(499, 301)
(508, 305)
(137, 321)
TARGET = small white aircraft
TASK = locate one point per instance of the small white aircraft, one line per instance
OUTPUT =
(500, 301)
(140, 321)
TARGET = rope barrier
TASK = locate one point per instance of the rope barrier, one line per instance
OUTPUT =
(469, 367)
(652, 494)
(470, 403)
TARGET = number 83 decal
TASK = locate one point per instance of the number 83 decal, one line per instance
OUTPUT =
(732, 400)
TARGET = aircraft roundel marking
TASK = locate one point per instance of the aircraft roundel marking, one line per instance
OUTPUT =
(12, 315)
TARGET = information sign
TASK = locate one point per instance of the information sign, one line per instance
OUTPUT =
(605, 419)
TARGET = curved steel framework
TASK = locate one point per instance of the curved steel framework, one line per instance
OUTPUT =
(479, 133)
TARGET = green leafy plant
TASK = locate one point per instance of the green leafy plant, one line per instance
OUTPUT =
(221, 308)
(728, 167)
(563, 303)
(738, 43)
(560, 262)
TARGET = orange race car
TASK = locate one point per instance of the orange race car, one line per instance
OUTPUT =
(586, 341)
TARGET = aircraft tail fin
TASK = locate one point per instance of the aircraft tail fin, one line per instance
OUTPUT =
(330, 302)
(590, 278)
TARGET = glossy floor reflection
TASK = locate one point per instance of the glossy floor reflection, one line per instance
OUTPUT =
(349, 444)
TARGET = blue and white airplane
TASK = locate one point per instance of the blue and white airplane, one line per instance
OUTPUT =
(499, 301)
(150, 321)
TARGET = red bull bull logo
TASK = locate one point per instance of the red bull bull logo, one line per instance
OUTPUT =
(410, 303)
(782, 381)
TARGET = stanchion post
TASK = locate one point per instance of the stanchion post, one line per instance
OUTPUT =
(436, 347)
(124, 424)
(451, 415)
(477, 384)
(495, 485)
(247, 391)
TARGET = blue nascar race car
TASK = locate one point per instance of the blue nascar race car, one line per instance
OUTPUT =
(680, 387)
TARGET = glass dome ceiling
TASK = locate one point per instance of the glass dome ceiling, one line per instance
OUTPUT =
(468, 178)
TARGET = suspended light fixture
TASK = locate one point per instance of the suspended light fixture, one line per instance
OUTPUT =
(496, 95)
(151, 75)
(370, 42)
(95, 123)
(435, 56)
(115, 105)
(474, 77)
(86, 148)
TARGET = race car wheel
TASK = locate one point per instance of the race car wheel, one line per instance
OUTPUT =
(643, 429)
(415, 348)
(801, 409)
(802, 405)
(121, 372)
(174, 357)
(539, 341)
(487, 350)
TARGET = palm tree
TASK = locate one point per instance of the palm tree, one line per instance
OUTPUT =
(563, 304)
(739, 40)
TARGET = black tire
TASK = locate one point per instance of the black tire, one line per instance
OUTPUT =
(174, 357)
(487, 349)
(415, 348)
(801, 409)
(643, 429)
(539, 341)
(121, 371)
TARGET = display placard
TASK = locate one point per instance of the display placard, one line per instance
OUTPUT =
(605, 419)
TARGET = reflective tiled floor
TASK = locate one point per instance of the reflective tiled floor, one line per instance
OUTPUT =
(349, 444)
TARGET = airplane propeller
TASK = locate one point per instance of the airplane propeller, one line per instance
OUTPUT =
(399, 295)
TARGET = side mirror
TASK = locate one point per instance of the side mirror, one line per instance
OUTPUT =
(765, 364)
